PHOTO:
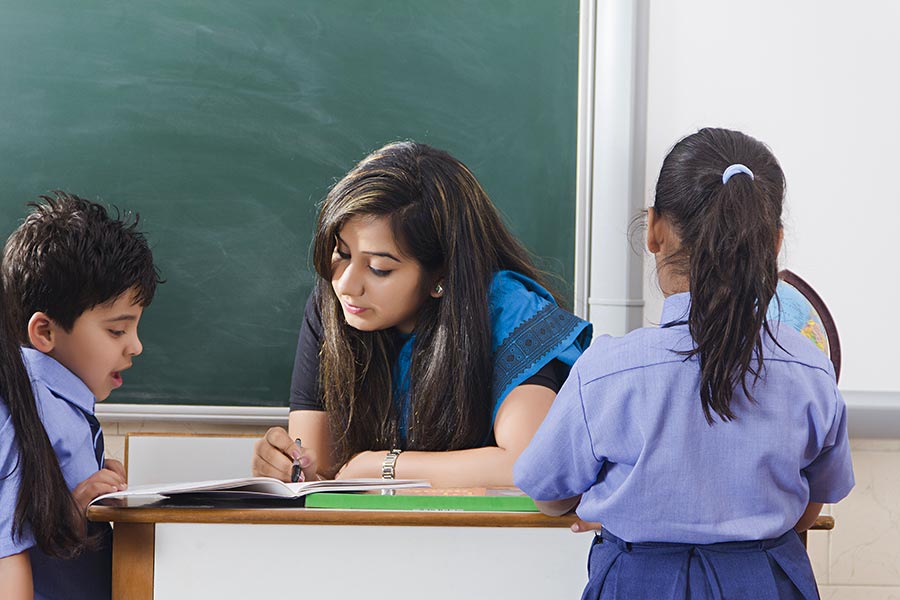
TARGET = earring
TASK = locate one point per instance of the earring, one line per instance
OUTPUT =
(439, 289)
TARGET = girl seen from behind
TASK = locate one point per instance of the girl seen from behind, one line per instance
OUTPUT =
(704, 445)
(429, 333)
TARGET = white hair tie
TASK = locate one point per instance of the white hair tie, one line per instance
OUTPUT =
(734, 170)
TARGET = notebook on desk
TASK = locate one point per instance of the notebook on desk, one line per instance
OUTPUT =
(255, 488)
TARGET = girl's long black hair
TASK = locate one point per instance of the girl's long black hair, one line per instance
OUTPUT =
(729, 235)
(45, 505)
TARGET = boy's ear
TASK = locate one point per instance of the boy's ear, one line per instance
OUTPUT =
(41, 332)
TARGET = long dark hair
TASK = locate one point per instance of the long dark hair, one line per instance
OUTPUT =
(440, 216)
(45, 504)
(729, 233)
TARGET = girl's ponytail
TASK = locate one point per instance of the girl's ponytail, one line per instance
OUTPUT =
(45, 506)
(729, 223)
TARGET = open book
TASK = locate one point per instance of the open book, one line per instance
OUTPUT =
(262, 487)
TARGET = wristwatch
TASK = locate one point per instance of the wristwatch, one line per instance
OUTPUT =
(387, 467)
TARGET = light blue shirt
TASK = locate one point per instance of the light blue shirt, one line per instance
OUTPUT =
(628, 432)
(10, 475)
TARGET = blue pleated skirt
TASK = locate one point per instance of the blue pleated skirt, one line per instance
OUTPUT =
(759, 570)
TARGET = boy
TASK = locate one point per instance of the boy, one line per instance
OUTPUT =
(77, 281)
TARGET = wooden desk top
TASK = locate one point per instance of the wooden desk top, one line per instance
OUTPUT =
(143, 510)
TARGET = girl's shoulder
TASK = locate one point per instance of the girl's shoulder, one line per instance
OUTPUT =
(7, 432)
(787, 344)
(640, 348)
(10, 472)
(9, 449)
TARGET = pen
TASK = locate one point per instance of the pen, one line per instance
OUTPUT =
(296, 470)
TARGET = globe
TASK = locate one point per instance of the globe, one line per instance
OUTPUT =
(796, 304)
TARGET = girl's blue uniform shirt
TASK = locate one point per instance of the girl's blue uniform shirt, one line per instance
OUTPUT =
(10, 475)
(627, 431)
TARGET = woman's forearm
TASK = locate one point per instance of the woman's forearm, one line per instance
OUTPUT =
(477, 467)
(492, 466)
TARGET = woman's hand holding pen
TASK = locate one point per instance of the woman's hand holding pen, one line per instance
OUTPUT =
(276, 454)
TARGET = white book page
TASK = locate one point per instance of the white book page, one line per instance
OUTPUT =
(256, 487)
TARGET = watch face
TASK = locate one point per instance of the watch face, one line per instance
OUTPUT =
(799, 306)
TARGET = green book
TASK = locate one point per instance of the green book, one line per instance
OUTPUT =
(437, 500)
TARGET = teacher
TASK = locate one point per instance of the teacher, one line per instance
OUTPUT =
(431, 347)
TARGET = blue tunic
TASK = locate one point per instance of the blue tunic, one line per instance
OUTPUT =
(528, 330)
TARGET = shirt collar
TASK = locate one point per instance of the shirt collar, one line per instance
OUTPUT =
(60, 380)
(676, 308)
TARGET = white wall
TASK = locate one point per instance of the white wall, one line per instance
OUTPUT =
(818, 82)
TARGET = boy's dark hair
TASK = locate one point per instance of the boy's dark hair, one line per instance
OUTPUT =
(68, 256)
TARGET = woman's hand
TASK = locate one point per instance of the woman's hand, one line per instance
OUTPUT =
(363, 465)
(274, 455)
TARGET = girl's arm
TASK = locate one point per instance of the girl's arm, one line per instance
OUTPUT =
(518, 418)
(809, 517)
(555, 508)
(15, 577)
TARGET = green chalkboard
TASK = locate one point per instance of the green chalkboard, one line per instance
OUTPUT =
(224, 122)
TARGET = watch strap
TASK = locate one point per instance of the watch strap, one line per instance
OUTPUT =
(390, 461)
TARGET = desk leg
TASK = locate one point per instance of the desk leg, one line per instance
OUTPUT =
(133, 552)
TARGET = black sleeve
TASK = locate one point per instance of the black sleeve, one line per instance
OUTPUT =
(305, 379)
(552, 375)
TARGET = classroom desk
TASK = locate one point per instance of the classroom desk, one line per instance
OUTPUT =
(167, 551)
